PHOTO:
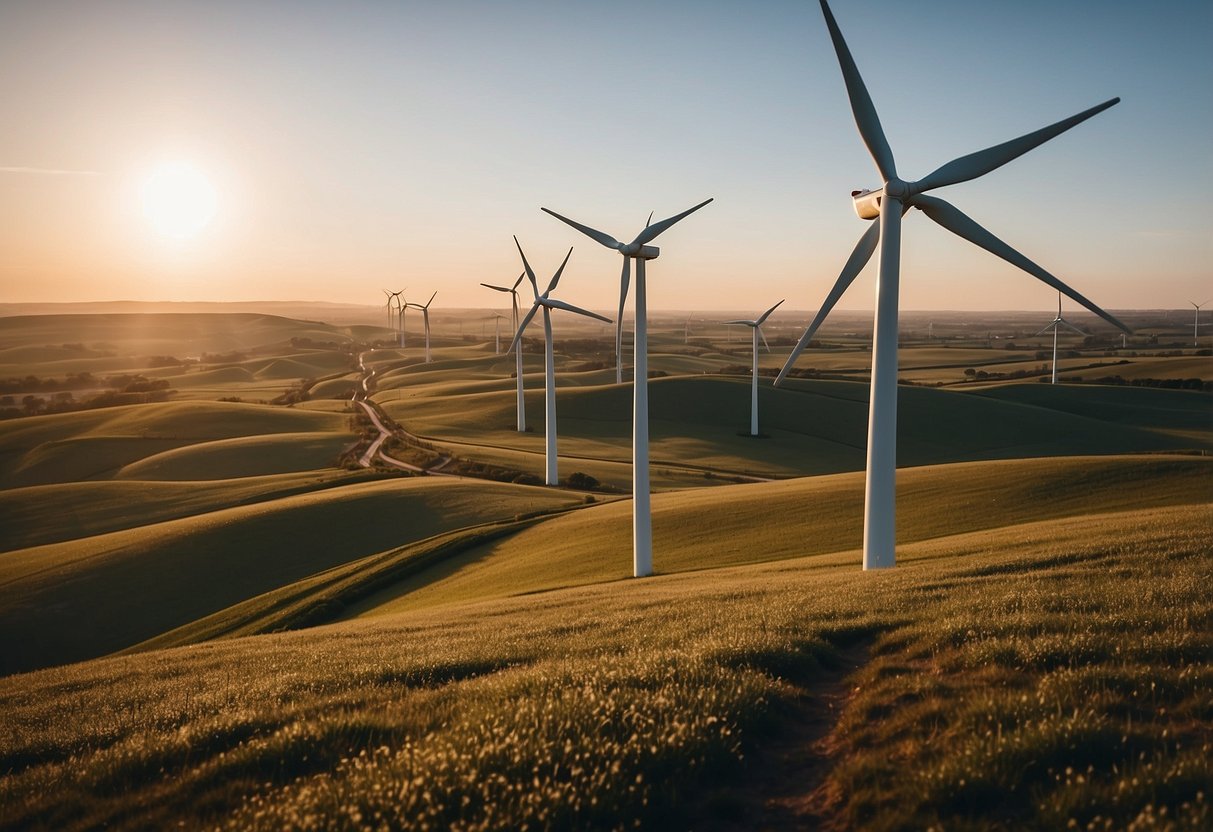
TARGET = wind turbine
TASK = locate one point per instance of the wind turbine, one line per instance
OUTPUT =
(425, 316)
(757, 327)
(1196, 322)
(497, 319)
(888, 203)
(403, 319)
(1057, 323)
(390, 296)
(547, 303)
(637, 250)
(640, 251)
(513, 290)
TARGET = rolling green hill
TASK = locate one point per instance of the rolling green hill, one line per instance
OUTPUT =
(1048, 675)
(739, 524)
(83, 598)
(815, 427)
(88, 444)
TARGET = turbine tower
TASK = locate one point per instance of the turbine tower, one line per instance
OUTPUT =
(640, 251)
(756, 326)
(425, 317)
(1057, 323)
(1196, 322)
(513, 290)
(547, 303)
(888, 203)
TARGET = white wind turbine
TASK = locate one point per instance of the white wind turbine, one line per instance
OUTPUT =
(1057, 324)
(513, 290)
(425, 317)
(547, 303)
(403, 320)
(637, 250)
(1196, 322)
(497, 319)
(888, 203)
(756, 326)
(640, 251)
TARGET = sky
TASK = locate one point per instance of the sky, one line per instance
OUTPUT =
(357, 146)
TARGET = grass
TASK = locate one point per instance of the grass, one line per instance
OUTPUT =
(1053, 673)
(817, 427)
(98, 443)
(244, 456)
(83, 598)
(66, 511)
(739, 524)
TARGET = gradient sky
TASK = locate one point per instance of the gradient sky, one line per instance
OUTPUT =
(361, 145)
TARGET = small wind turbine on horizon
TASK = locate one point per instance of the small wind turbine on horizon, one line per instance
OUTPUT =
(425, 317)
(888, 203)
(513, 291)
(548, 303)
(1196, 322)
(640, 251)
(756, 326)
(1057, 324)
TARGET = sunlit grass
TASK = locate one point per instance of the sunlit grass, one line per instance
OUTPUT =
(1058, 674)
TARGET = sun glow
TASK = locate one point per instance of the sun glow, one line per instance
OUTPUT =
(178, 200)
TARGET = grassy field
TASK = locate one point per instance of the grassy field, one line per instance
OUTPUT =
(1041, 658)
(815, 427)
(738, 524)
(93, 444)
(1053, 672)
(83, 598)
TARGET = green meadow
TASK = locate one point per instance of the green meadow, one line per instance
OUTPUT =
(214, 617)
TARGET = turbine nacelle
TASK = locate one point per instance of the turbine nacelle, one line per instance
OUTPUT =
(640, 252)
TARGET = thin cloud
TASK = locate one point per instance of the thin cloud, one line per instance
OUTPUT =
(49, 171)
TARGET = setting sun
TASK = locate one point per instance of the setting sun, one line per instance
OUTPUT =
(178, 200)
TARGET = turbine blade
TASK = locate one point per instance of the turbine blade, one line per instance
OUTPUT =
(960, 224)
(495, 288)
(762, 318)
(431, 300)
(983, 161)
(764, 338)
(519, 280)
(552, 303)
(1072, 328)
(861, 103)
(854, 265)
(741, 323)
(651, 231)
(593, 233)
(556, 277)
(522, 326)
(624, 279)
(1046, 329)
(527, 267)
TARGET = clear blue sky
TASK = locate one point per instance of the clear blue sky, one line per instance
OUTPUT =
(354, 146)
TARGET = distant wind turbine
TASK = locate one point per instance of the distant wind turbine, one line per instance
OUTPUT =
(513, 290)
(547, 303)
(640, 251)
(756, 326)
(425, 317)
(1057, 324)
(888, 203)
(1196, 322)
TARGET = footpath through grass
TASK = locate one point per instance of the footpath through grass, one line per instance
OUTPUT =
(1052, 672)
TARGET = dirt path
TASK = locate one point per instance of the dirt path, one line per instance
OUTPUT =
(782, 785)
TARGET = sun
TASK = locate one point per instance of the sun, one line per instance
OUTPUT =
(178, 200)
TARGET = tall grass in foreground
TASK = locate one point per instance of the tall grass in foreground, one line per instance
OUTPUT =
(1027, 678)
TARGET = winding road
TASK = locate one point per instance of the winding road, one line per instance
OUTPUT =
(362, 398)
